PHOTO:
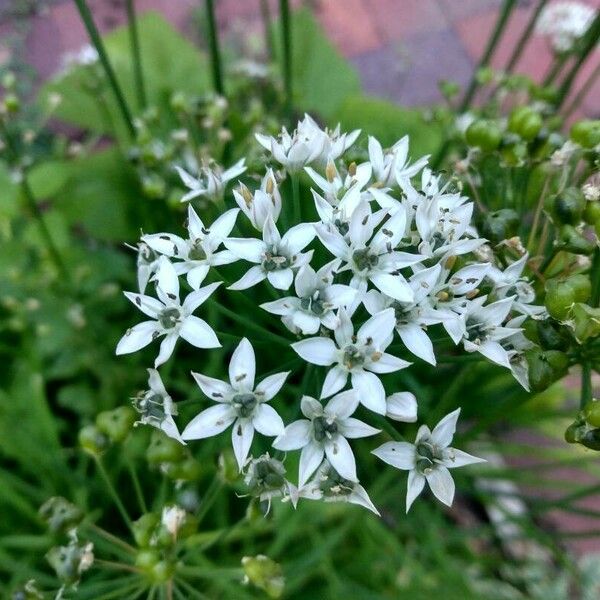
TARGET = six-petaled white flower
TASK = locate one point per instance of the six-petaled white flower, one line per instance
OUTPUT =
(428, 460)
(170, 318)
(264, 203)
(211, 181)
(239, 403)
(323, 433)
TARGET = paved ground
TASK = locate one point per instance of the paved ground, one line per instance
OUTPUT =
(400, 47)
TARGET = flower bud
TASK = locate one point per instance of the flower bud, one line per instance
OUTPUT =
(525, 122)
(163, 449)
(71, 561)
(60, 515)
(550, 334)
(500, 225)
(567, 207)
(585, 322)
(590, 439)
(591, 213)
(546, 367)
(484, 134)
(571, 240)
(93, 441)
(586, 133)
(591, 413)
(117, 423)
(265, 574)
(188, 469)
(144, 528)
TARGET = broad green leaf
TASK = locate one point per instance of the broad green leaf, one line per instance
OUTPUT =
(169, 62)
(388, 122)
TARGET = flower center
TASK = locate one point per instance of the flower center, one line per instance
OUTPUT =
(169, 318)
(244, 404)
(150, 406)
(314, 304)
(197, 252)
(267, 476)
(272, 261)
(323, 428)
(364, 259)
(335, 485)
(427, 454)
(342, 226)
(353, 357)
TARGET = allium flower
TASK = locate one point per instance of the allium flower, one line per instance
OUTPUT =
(276, 256)
(156, 407)
(428, 460)
(564, 23)
(169, 317)
(173, 517)
(239, 403)
(370, 255)
(392, 166)
(323, 433)
(361, 356)
(265, 201)
(333, 185)
(147, 263)
(336, 143)
(317, 298)
(211, 181)
(198, 253)
(328, 485)
(265, 478)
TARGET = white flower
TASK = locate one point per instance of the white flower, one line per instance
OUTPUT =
(85, 56)
(198, 253)
(392, 166)
(147, 263)
(169, 317)
(156, 407)
(211, 181)
(428, 460)
(401, 406)
(323, 433)
(265, 202)
(361, 356)
(564, 23)
(239, 403)
(328, 485)
(172, 518)
(336, 143)
(333, 186)
(276, 256)
(370, 255)
(317, 300)
(265, 478)
(297, 150)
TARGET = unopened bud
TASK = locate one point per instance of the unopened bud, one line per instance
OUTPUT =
(265, 574)
(330, 171)
(450, 262)
(352, 169)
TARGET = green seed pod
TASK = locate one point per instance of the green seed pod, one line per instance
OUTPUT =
(12, 104)
(514, 153)
(117, 423)
(500, 225)
(572, 434)
(188, 469)
(570, 240)
(146, 559)
(568, 207)
(162, 571)
(586, 322)
(525, 122)
(163, 449)
(484, 134)
(586, 133)
(144, 528)
(591, 213)
(582, 286)
(154, 186)
(60, 515)
(591, 439)
(591, 413)
(93, 441)
(546, 367)
(551, 335)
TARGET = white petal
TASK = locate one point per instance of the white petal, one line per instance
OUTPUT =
(197, 275)
(343, 334)
(402, 406)
(317, 350)
(306, 281)
(242, 366)
(378, 328)
(137, 337)
(394, 286)
(167, 280)
(298, 237)
(281, 307)
(340, 456)
(387, 364)
(281, 279)
(455, 458)
(416, 483)
(441, 483)
(195, 299)
(310, 459)
(199, 333)
(212, 388)
(222, 226)
(148, 305)
(335, 380)
(417, 341)
(271, 385)
(166, 349)
(495, 352)
(310, 407)
(307, 323)
(195, 225)
(370, 391)
(166, 243)
(443, 432)
(296, 435)
(168, 426)
(343, 405)
(250, 278)
(398, 454)
(209, 422)
(353, 428)
(242, 434)
(249, 249)
(334, 242)
(267, 421)
(360, 497)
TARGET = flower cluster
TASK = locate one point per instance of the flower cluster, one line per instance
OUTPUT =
(564, 23)
(402, 260)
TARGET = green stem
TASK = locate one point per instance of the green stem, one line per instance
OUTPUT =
(582, 93)
(136, 485)
(595, 278)
(555, 69)
(209, 497)
(96, 40)
(113, 493)
(507, 8)
(388, 427)
(588, 43)
(215, 53)
(525, 36)
(586, 384)
(296, 198)
(112, 538)
(265, 13)
(134, 40)
(286, 35)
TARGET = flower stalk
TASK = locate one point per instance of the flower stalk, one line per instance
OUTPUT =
(134, 40)
(286, 36)
(215, 51)
(525, 36)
